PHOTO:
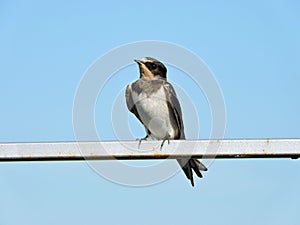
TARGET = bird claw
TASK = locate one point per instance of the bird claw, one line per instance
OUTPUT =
(140, 141)
(162, 144)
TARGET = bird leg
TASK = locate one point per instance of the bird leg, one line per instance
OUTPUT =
(142, 139)
(165, 139)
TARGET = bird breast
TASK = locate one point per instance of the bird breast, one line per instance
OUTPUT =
(153, 111)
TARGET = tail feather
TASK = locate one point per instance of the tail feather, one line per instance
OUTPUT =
(200, 165)
(195, 167)
(188, 165)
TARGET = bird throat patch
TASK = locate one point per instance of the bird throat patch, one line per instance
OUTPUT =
(145, 72)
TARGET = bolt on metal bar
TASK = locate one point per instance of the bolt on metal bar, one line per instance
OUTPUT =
(106, 150)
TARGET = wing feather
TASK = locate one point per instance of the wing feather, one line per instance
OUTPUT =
(131, 106)
(174, 107)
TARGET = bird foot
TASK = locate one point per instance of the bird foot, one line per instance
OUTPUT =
(140, 141)
(162, 144)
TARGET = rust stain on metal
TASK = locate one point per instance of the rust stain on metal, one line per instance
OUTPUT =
(265, 151)
(130, 155)
(160, 154)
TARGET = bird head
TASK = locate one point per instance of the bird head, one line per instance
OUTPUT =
(151, 68)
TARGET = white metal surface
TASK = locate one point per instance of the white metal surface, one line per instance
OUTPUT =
(240, 148)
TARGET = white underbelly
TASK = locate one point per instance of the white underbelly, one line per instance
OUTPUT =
(154, 113)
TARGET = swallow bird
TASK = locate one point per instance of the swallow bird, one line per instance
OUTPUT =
(153, 100)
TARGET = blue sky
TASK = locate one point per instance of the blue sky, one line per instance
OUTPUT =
(253, 48)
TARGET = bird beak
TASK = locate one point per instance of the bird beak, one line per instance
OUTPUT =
(138, 61)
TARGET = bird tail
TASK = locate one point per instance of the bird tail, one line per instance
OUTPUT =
(188, 165)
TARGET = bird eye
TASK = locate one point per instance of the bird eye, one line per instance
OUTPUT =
(153, 66)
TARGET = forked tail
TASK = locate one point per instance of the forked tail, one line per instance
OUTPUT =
(188, 165)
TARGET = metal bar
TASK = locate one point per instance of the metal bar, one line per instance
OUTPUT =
(105, 150)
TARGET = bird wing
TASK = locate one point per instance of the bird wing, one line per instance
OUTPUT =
(174, 107)
(130, 104)
(187, 165)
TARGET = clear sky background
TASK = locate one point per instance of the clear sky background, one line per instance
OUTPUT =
(253, 48)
